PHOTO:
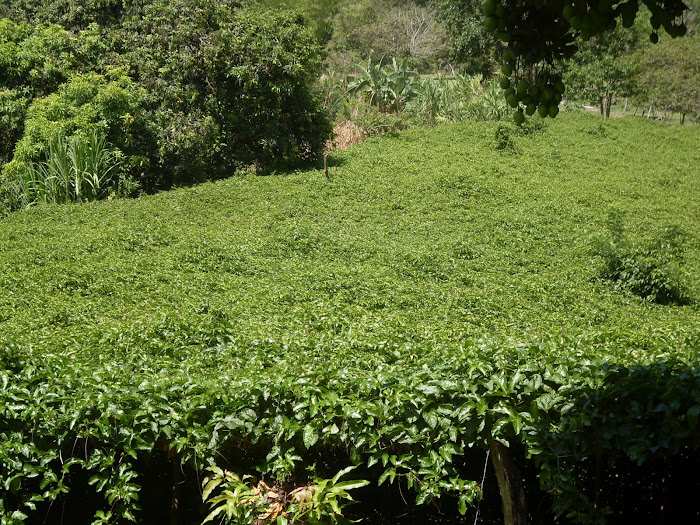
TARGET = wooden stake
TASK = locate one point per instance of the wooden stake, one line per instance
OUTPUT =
(510, 485)
(177, 491)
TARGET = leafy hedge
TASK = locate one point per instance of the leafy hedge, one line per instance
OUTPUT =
(227, 87)
(407, 417)
(66, 12)
(85, 104)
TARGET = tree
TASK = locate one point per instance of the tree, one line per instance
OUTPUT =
(67, 13)
(604, 67)
(539, 34)
(318, 14)
(475, 48)
(422, 37)
(692, 16)
(395, 28)
(225, 86)
(669, 76)
(34, 61)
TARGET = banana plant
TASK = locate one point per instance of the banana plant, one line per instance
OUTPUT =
(370, 83)
(388, 90)
(403, 84)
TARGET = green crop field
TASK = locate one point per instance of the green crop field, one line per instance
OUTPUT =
(443, 289)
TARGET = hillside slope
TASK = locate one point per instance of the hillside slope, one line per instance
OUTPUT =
(423, 238)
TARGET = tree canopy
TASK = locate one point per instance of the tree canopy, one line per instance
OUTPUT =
(670, 77)
(539, 34)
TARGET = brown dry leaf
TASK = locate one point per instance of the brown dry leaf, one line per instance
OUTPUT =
(262, 486)
(272, 512)
(346, 133)
(272, 495)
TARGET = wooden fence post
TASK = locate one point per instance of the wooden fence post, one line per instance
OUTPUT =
(510, 485)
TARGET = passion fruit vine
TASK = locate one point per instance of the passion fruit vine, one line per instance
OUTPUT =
(540, 33)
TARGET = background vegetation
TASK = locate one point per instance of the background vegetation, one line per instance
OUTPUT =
(223, 88)
(184, 102)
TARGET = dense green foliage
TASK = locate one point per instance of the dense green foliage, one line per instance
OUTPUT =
(669, 77)
(426, 300)
(457, 99)
(319, 14)
(212, 87)
(435, 293)
(34, 62)
(387, 89)
(68, 13)
(84, 105)
(229, 88)
(472, 45)
(604, 68)
(539, 35)
(651, 270)
(76, 170)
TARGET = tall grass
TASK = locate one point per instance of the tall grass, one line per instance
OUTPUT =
(457, 99)
(76, 169)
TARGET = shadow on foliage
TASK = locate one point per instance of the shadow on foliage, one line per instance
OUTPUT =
(626, 448)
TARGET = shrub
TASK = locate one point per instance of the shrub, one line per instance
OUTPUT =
(651, 270)
(220, 86)
(13, 109)
(242, 502)
(34, 62)
(227, 87)
(381, 100)
(503, 139)
(457, 99)
(375, 122)
(387, 89)
(86, 105)
(68, 13)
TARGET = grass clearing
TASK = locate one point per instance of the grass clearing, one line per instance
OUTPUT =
(432, 271)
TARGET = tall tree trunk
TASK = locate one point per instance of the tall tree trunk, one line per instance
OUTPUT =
(510, 485)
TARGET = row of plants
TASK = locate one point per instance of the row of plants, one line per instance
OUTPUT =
(287, 328)
(405, 419)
